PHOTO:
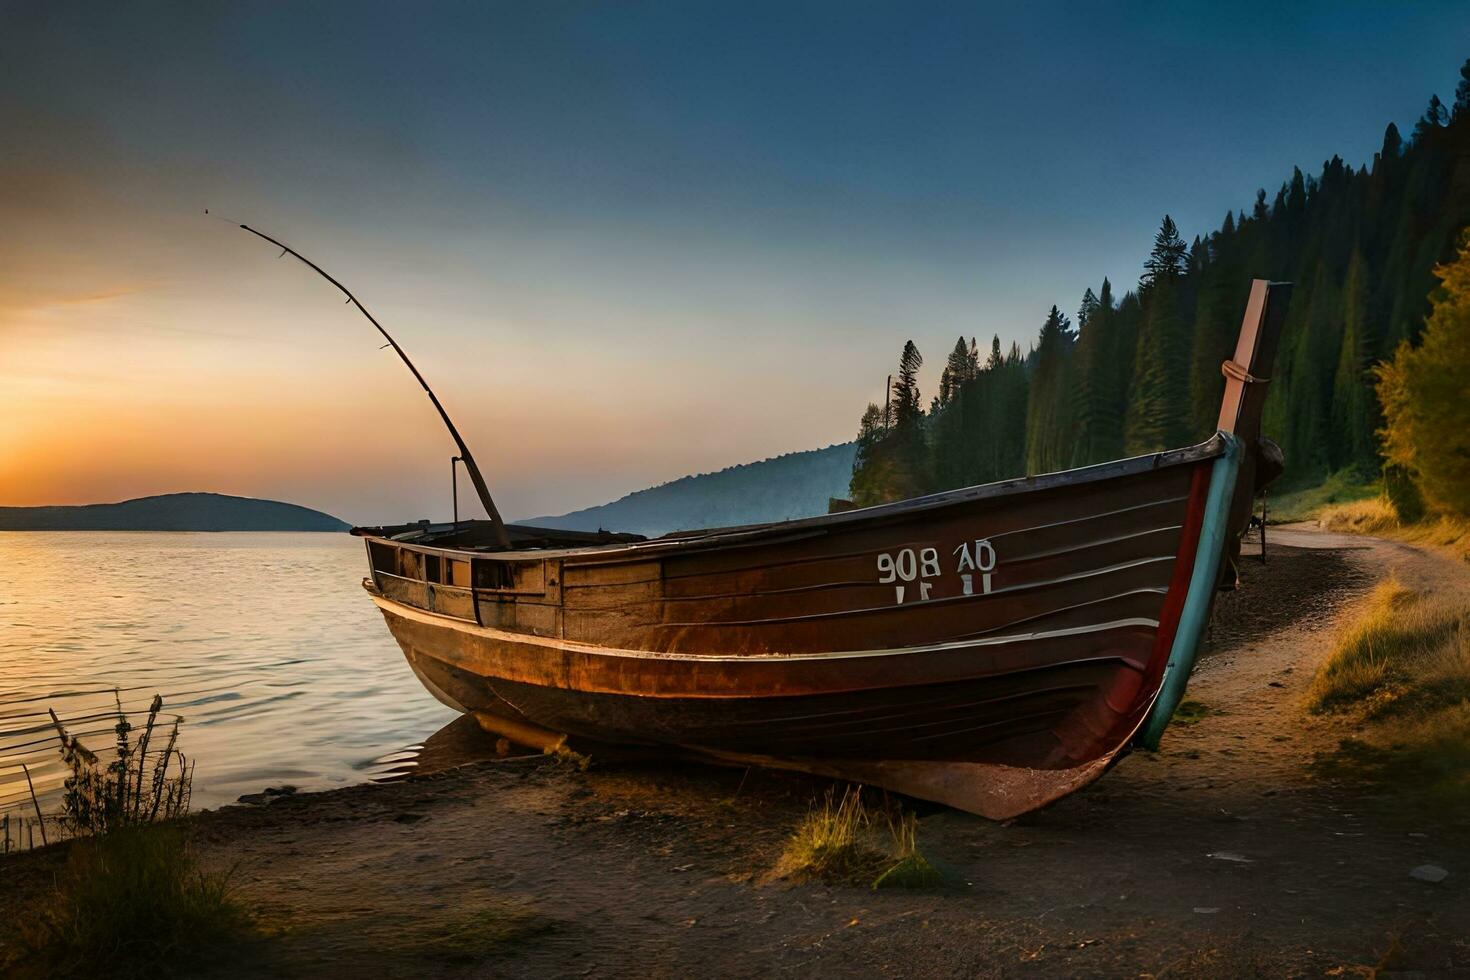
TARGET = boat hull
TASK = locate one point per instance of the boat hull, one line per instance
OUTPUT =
(993, 648)
(786, 647)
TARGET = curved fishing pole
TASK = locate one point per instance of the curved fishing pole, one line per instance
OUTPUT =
(497, 525)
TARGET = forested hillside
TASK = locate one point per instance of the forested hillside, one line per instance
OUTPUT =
(778, 489)
(1141, 371)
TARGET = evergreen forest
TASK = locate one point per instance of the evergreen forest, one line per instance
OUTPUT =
(1135, 370)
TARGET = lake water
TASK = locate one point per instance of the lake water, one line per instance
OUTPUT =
(267, 645)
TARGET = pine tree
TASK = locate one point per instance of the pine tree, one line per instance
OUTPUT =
(1158, 404)
(1311, 367)
(1049, 431)
(958, 370)
(1353, 405)
(1011, 401)
(892, 461)
(949, 423)
(870, 481)
(1086, 308)
(1098, 400)
(906, 400)
(1217, 323)
(910, 449)
(1462, 93)
(1434, 117)
(1168, 257)
(1393, 143)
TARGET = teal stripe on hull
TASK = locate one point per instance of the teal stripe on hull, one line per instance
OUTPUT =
(1202, 582)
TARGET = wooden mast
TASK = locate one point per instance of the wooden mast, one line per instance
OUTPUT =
(497, 525)
(1247, 375)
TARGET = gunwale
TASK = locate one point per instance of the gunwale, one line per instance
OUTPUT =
(794, 530)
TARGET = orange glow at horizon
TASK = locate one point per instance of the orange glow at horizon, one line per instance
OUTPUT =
(247, 378)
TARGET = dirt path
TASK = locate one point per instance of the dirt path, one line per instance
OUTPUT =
(1221, 855)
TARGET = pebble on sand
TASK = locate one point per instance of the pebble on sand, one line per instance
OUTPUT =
(1432, 873)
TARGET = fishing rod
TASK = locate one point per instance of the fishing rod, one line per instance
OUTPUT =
(497, 525)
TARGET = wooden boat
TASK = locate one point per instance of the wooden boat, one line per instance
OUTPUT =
(992, 648)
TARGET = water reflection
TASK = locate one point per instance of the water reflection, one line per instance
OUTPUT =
(462, 742)
(265, 643)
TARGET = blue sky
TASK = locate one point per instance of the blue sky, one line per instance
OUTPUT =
(625, 241)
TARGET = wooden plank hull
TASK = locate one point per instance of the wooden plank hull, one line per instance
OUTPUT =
(991, 650)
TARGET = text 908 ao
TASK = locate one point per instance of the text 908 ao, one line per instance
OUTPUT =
(971, 560)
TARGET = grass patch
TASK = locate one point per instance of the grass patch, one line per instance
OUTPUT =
(1372, 516)
(1400, 652)
(841, 841)
(132, 903)
(833, 842)
(476, 934)
(1402, 666)
(910, 869)
(1190, 713)
(1448, 535)
(1341, 487)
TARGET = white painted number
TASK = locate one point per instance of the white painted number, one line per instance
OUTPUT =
(910, 564)
(906, 566)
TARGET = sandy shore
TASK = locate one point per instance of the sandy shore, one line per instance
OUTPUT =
(1221, 855)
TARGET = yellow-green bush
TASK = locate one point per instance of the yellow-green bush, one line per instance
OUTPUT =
(1425, 393)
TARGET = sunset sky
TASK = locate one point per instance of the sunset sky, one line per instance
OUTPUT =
(625, 242)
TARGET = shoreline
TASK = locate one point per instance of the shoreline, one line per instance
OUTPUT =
(1223, 854)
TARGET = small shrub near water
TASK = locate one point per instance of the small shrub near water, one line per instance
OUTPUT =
(131, 903)
(143, 783)
(838, 841)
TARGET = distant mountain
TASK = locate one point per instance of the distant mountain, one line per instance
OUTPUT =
(778, 489)
(172, 512)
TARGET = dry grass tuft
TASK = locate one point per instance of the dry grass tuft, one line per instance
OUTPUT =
(1403, 666)
(1397, 642)
(840, 841)
(833, 842)
(1372, 516)
(1448, 535)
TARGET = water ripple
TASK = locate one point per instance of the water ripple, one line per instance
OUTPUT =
(282, 668)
